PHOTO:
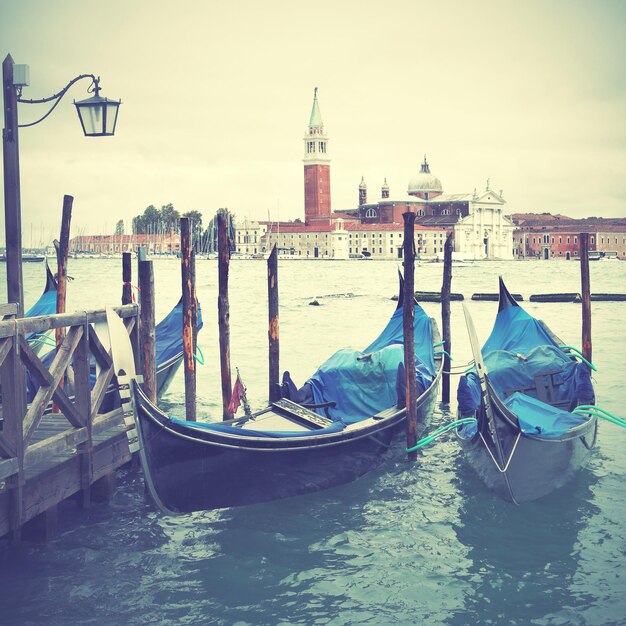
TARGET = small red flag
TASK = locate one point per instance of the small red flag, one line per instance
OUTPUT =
(235, 399)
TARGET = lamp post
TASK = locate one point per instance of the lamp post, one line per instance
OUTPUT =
(98, 117)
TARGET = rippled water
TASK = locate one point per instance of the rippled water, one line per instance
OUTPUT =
(406, 544)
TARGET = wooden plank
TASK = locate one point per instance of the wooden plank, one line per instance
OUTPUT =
(100, 353)
(45, 393)
(62, 443)
(106, 421)
(44, 323)
(446, 289)
(147, 330)
(7, 449)
(5, 347)
(8, 467)
(8, 309)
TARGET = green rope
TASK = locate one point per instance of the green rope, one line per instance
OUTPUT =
(47, 341)
(200, 358)
(430, 438)
(600, 412)
(436, 345)
(580, 356)
(443, 352)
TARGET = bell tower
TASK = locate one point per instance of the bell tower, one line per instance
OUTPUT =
(316, 168)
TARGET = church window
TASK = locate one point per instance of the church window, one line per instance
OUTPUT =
(370, 213)
(322, 146)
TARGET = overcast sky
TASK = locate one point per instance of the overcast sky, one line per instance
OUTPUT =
(217, 96)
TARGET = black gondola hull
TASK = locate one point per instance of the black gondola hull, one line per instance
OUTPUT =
(194, 470)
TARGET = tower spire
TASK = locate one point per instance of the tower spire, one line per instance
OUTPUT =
(316, 168)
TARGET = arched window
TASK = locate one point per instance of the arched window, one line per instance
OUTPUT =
(445, 212)
(421, 213)
(458, 211)
(370, 213)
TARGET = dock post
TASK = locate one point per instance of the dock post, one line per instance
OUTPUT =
(188, 329)
(223, 309)
(62, 254)
(272, 331)
(445, 316)
(127, 277)
(147, 333)
(408, 318)
(12, 202)
(586, 298)
(12, 441)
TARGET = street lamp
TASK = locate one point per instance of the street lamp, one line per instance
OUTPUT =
(98, 117)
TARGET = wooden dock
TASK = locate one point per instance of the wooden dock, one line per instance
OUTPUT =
(45, 456)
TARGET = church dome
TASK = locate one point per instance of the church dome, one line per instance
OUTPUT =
(424, 184)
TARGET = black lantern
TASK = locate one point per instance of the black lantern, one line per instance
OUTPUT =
(98, 115)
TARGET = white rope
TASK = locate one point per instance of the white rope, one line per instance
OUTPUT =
(506, 467)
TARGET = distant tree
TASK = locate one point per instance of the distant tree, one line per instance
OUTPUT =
(298, 220)
(169, 217)
(119, 228)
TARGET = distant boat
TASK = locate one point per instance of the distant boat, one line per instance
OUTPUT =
(27, 258)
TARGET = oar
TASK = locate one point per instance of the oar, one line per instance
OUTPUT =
(482, 377)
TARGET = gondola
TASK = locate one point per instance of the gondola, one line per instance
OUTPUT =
(45, 305)
(169, 346)
(332, 430)
(527, 441)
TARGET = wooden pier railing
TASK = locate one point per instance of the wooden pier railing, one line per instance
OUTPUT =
(47, 457)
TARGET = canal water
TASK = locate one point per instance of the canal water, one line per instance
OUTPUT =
(406, 544)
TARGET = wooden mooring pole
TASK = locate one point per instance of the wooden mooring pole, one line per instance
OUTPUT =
(272, 331)
(147, 333)
(223, 309)
(408, 317)
(127, 277)
(62, 254)
(586, 297)
(445, 316)
(189, 330)
(12, 201)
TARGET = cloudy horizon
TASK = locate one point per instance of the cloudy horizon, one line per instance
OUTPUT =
(216, 98)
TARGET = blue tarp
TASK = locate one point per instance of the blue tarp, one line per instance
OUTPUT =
(516, 331)
(169, 336)
(538, 418)
(360, 387)
(365, 383)
(46, 305)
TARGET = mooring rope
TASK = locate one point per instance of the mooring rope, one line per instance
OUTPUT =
(600, 412)
(430, 438)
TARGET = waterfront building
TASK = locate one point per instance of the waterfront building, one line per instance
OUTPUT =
(91, 245)
(546, 237)
(375, 229)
